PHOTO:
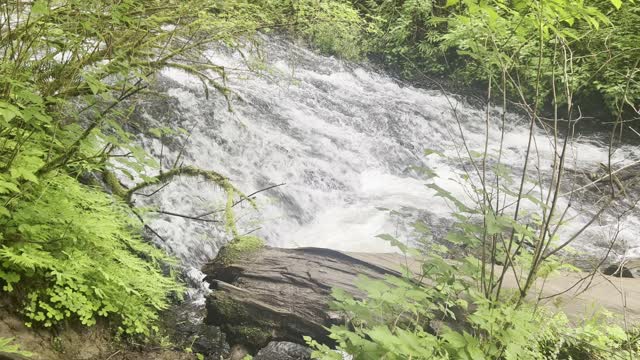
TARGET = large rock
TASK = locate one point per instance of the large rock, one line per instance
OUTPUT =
(627, 269)
(283, 294)
(187, 330)
(280, 294)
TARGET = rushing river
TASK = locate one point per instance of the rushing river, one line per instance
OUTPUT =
(345, 141)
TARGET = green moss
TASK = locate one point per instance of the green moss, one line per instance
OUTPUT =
(239, 246)
(246, 244)
(112, 182)
(241, 324)
(228, 309)
(251, 336)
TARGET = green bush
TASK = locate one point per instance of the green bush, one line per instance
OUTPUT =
(75, 252)
(442, 310)
(69, 250)
(447, 319)
(472, 40)
(69, 75)
(456, 304)
(330, 26)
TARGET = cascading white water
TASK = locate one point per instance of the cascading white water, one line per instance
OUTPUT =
(345, 139)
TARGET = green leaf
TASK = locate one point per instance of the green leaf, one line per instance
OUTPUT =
(456, 237)
(95, 85)
(491, 224)
(8, 187)
(23, 173)
(440, 192)
(8, 111)
(617, 3)
(40, 7)
(394, 242)
(7, 347)
(454, 339)
(428, 152)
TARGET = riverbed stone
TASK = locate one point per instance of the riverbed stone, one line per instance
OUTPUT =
(283, 350)
(618, 271)
(187, 330)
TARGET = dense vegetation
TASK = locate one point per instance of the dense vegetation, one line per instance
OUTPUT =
(72, 245)
(69, 250)
(473, 40)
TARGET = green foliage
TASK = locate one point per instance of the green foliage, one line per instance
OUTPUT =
(69, 73)
(238, 246)
(455, 304)
(439, 314)
(331, 26)
(84, 262)
(244, 244)
(406, 34)
(6, 347)
(70, 68)
(69, 251)
(608, 58)
(480, 40)
(542, 45)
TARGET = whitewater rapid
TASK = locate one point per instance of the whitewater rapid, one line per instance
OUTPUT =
(348, 144)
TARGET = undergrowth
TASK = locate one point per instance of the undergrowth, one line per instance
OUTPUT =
(75, 252)
(7, 347)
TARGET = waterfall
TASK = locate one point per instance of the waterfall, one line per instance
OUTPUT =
(348, 142)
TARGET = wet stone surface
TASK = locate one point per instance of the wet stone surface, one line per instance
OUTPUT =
(282, 350)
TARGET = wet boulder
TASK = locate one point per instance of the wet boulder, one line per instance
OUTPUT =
(274, 294)
(187, 331)
(627, 269)
(617, 271)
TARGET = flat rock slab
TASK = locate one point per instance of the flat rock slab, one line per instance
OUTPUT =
(275, 294)
(281, 294)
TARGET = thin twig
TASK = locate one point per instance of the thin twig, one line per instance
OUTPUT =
(186, 216)
(241, 200)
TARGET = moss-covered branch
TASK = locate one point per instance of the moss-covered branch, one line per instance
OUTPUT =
(209, 175)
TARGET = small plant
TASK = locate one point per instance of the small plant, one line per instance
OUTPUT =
(7, 347)
(438, 314)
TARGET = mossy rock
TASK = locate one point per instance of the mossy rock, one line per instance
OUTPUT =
(264, 294)
(242, 324)
(249, 335)
(238, 248)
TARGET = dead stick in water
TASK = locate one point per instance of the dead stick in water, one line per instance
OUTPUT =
(241, 200)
